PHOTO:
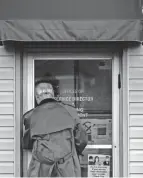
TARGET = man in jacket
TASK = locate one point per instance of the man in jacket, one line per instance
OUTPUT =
(54, 133)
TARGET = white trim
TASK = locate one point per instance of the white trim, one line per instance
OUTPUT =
(17, 122)
(69, 56)
(16, 119)
(99, 146)
(30, 89)
(29, 86)
(28, 69)
(72, 58)
(125, 106)
(27, 97)
(115, 116)
(28, 74)
(25, 83)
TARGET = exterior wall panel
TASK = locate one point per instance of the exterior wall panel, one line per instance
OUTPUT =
(6, 61)
(6, 144)
(136, 132)
(7, 156)
(7, 97)
(7, 132)
(136, 73)
(136, 108)
(136, 112)
(136, 168)
(7, 112)
(136, 121)
(136, 156)
(6, 120)
(6, 85)
(6, 108)
(136, 96)
(6, 73)
(7, 175)
(135, 144)
(136, 175)
(136, 84)
(136, 63)
(7, 168)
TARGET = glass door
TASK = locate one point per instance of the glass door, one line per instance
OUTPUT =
(95, 82)
(90, 85)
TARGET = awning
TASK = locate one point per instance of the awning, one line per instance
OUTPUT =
(68, 30)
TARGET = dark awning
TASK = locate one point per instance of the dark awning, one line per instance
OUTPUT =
(68, 30)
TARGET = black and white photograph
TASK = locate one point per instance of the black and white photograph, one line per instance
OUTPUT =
(71, 88)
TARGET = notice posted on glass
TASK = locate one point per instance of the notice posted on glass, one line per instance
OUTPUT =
(99, 129)
(98, 165)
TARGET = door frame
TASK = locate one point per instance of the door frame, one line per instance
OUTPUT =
(28, 90)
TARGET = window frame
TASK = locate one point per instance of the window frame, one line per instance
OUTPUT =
(28, 68)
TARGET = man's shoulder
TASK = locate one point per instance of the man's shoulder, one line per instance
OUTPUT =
(26, 117)
(72, 110)
(28, 113)
(69, 105)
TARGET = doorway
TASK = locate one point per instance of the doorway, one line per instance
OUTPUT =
(90, 84)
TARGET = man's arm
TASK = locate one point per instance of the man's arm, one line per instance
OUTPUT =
(26, 140)
(81, 138)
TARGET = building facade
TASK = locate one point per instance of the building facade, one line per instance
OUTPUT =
(106, 76)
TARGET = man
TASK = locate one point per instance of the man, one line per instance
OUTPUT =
(56, 135)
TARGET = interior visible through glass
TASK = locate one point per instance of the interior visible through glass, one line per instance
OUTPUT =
(87, 85)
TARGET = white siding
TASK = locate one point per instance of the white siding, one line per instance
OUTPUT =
(7, 113)
(136, 112)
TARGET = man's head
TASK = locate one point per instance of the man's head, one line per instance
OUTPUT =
(45, 89)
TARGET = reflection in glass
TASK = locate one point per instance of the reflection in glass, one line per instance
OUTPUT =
(63, 71)
(95, 78)
(90, 83)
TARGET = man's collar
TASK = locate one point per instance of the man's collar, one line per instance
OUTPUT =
(47, 101)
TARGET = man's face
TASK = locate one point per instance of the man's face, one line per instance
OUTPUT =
(43, 91)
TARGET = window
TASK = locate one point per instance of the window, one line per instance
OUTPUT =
(88, 84)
